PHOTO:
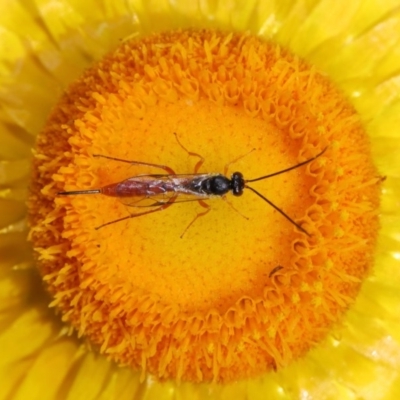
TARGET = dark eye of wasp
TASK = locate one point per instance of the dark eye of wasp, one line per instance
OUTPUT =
(237, 184)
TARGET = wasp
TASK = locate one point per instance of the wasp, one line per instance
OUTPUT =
(160, 191)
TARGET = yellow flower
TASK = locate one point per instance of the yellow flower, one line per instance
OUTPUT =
(55, 41)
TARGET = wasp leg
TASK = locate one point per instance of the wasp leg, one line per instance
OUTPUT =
(191, 153)
(161, 208)
(199, 215)
(164, 167)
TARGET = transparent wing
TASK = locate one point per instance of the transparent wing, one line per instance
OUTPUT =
(163, 189)
(159, 200)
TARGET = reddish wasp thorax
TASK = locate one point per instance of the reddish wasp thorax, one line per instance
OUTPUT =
(159, 191)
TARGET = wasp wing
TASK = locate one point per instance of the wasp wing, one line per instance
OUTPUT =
(157, 190)
(159, 200)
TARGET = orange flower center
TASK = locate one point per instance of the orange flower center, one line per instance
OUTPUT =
(196, 292)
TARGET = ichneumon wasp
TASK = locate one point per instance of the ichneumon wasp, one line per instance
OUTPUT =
(159, 191)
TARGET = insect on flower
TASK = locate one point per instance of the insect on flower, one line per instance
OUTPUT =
(159, 191)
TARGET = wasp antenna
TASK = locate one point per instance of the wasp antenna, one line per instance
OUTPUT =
(288, 169)
(74, 192)
(279, 210)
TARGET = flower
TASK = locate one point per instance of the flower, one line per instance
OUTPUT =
(66, 355)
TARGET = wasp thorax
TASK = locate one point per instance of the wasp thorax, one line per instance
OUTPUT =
(217, 185)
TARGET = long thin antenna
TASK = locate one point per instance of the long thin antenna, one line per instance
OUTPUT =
(279, 210)
(287, 169)
(90, 191)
